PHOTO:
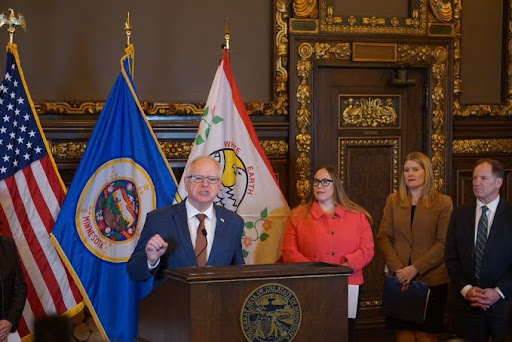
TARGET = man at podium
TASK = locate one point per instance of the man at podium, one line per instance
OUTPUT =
(193, 233)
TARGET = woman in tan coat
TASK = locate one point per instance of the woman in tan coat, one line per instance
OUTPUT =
(411, 237)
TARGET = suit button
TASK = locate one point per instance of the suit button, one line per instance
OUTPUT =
(332, 232)
(333, 253)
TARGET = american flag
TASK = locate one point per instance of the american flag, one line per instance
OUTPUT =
(31, 194)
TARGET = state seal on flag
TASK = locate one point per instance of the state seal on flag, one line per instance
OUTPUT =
(112, 209)
(271, 312)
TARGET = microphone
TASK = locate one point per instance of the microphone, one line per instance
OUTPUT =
(203, 231)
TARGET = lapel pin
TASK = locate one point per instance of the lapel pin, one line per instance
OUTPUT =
(221, 219)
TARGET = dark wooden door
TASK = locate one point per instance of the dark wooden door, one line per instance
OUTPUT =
(364, 123)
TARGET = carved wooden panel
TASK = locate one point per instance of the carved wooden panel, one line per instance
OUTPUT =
(370, 166)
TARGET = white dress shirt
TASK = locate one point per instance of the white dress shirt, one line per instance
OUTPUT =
(210, 223)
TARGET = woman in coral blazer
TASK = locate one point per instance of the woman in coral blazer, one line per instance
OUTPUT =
(412, 237)
(331, 228)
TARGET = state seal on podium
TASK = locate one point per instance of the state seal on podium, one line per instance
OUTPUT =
(271, 312)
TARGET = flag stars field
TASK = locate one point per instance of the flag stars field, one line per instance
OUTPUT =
(13, 133)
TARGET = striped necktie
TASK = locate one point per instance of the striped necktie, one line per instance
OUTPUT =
(481, 240)
(201, 242)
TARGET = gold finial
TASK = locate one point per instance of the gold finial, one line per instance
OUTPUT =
(128, 29)
(10, 19)
(226, 34)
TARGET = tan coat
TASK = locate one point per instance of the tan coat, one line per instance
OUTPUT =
(423, 245)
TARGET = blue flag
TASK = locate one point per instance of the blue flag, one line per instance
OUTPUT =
(122, 176)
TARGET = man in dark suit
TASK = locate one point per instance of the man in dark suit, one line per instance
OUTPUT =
(479, 256)
(13, 289)
(195, 232)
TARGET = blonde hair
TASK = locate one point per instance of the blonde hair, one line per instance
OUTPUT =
(340, 196)
(429, 195)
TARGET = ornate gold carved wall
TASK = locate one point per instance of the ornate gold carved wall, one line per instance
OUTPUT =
(73, 150)
(482, 146)
(433, 56)
(415, 24)
(483, 109)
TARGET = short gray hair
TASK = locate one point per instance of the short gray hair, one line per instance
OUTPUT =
(200, 158)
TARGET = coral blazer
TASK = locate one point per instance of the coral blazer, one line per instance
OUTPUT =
(336, 238)
(421, 245)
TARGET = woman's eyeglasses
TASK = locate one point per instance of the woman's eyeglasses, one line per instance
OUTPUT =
(325, 182)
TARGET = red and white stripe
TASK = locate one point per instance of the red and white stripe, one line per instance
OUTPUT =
(30, 202)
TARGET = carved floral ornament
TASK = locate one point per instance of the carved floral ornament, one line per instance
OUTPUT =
(432, 55)
(368, 112)
(415, 24)
(74, 150)
(482, 146)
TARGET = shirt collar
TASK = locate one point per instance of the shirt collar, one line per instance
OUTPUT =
(491, 205)
(192, 211)
(317, 211)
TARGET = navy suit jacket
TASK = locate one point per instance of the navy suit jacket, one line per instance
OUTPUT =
(497, 262)
(172, 225)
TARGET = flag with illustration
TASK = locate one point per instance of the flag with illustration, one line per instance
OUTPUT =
(122, 176)
(249, 186)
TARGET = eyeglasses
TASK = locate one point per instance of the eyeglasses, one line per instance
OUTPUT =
(325, 182)
(200, 179)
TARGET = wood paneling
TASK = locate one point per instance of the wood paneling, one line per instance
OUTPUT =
(367, 149)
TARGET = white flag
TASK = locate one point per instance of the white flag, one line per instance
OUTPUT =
(249, 186)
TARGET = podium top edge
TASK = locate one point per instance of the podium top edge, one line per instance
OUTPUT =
(261, 271)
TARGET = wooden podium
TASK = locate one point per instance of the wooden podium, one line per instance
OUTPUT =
(272, 302)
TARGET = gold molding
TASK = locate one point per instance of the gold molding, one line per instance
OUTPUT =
(442, 10)
(176, 149)
(394, 143)
(305, 9)
(482, 146)
(74, 150)
(69, 107)
(275, 148)
(150, 108)
(340, 51)
(416, 24)
(370, 303)
(433, 56)
(482, 109)
(374, 52)
(278, 106)
(436, 57)
(368, 110)
(303, 139)
(68, 150)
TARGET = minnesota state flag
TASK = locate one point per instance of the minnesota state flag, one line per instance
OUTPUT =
(249, 186)
(123, 175)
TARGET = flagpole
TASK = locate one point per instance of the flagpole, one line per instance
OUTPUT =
(12, 21)
(129, 47)
(128, 29)
(226, 35)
